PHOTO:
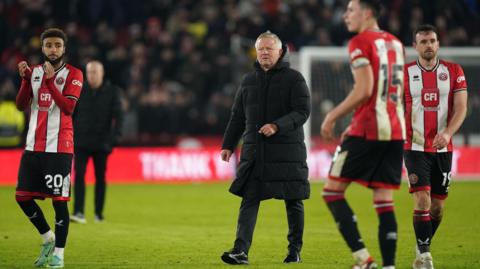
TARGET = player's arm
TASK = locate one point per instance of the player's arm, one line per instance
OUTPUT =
(65, 103)
(66, 99)
(24, 95)
(459, 113)
(362, 90)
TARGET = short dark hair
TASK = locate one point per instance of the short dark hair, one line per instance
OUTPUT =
(425, 28)
(374, 5)
(54, 32)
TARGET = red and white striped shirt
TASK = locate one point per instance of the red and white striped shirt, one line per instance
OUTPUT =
(52, 103)
(429, 102)
(381, 117)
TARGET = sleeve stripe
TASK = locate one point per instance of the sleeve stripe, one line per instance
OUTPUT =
(359, 62)
(72, 97)
(459, 90)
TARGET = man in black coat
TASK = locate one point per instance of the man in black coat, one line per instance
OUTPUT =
(270, 108)
(97, 124)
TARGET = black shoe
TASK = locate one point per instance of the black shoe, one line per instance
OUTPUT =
(98, 218)
(292, 257)
(235, 257)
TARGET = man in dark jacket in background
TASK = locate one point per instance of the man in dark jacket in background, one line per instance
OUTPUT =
(270, 108)
(97, 124)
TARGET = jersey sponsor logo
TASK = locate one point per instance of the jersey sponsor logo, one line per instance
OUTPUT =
(44, 99)
(430, 99)
(77, 82)
(36, 79)
(443, 76)
(355, 53)
(460, 79)
(59, 81)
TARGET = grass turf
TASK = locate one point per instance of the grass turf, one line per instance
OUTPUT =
(189, 226)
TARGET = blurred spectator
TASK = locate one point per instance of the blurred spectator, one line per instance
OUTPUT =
(97, 123)
(12, 121)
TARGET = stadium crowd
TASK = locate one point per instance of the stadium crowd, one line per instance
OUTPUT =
(179, 61)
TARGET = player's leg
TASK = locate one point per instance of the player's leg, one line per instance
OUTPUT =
(35, 215)
(387, 228)
(80, 165)
(29, 178)
(57, 167)
(441, 177)
(422, 223)
(62, 222)
(295, 217)
(419, 167)
(100, 164)
(333, 194)
(436, 213)
(354, 160)
(385, 179)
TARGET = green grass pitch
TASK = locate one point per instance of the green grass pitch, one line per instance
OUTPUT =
(189, 226)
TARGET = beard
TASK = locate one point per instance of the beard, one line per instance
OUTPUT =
(429, 55)
(53, 62)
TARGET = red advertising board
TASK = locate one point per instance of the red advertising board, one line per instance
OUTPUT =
(174, 165)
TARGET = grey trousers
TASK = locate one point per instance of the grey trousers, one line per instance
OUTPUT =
(247, 219)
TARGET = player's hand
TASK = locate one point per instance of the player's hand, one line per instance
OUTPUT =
(24, 70)
(327, 128)
(345, 134)
(49, 70)
(441, 140)
(268, 129)
(226, 154)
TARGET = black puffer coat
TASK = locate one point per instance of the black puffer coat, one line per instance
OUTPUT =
(278, 96)
(97, 119)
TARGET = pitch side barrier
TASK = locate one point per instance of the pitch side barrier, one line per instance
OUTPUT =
(174, 165)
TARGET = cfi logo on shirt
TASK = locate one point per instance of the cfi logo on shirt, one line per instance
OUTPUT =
(44, 99)
(430, 98)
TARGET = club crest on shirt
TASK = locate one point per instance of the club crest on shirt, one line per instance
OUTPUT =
(59, 80)
(413, 178)
(443, 76)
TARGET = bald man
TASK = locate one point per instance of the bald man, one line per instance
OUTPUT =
(97, 124)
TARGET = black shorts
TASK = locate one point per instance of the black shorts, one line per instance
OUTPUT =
(45, 175)
(374, 164)
(429, 171)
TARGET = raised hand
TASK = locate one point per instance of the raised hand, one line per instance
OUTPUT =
(24, 70)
